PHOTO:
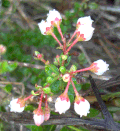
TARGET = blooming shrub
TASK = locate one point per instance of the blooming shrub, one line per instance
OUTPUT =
(58, 73)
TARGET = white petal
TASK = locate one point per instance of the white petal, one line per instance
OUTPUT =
(85, 21)
(82, 108)
(103, 67)
(61, 106)
(52, 15)
(15, 107)
(38, 119)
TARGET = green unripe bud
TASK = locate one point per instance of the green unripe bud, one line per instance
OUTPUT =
(73, 68)
(45, 84)
(47, 90)
(64, 57)
(36, 53)
(49, 79)
(62, 69)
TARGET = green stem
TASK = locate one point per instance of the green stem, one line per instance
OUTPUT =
(74, 128)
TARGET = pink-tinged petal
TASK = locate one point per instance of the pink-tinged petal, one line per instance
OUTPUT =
(54, 17)
(47, 114)
(99, 67)
(44, 27)
(82, 107)
(16, 105)
(38, 119)
(62, 104)
(87, 21)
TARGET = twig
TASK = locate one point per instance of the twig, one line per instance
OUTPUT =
(109, 122)
(115, 9)
(83, 50)
(27, 65)
(97, 77)
(14, 83)
(107, 51)
(27, 119)
(6, 15)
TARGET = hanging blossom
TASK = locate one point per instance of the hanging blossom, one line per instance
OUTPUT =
(62, 103)
(17, 105)
(38, 117)
(99, 67)
(81, 106)
(54, 17)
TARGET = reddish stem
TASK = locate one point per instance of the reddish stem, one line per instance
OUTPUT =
(81, 70)
(25, 99)
(40, 103)
(72, 36)
(46, 104)
(54, 36)
(74, 42)
(44, 61)
(75, 90)
(67, 87)
(59, 30)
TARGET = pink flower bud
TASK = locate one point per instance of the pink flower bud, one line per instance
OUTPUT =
(39, 56)
(87, 21)
(66, 77)
(17, 105)
(81, 106)
(38, 117)
(99, 67)
(54, 17)
(47, 113)
(45, 27)
(62, 103)
(2, 49)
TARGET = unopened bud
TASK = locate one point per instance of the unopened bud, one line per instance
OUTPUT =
(66, 77)
(2, 49)
(62, 69)
(64, 57)
(73, 68)
(47, 90)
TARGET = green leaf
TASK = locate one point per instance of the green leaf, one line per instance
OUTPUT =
(49, 69)
(78, 86)
(93, 5)
(4, 66)
(8, 88)
(93, 113)
(12, 67)
(55, 86)
(68, 61)
(33, 93)
(29, 108)
(71, 96)
(86, 86)
(34, 128)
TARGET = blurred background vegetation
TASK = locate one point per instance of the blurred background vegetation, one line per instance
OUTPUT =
(21, 36)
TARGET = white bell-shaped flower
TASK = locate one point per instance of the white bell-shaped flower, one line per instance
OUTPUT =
(17, 105)
(99, 67)
(87, 21)
(54, 17)
(44, 27)
(62, 104)
(38, 117)
(81, 106)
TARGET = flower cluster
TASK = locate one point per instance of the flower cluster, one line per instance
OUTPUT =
(58, 71)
